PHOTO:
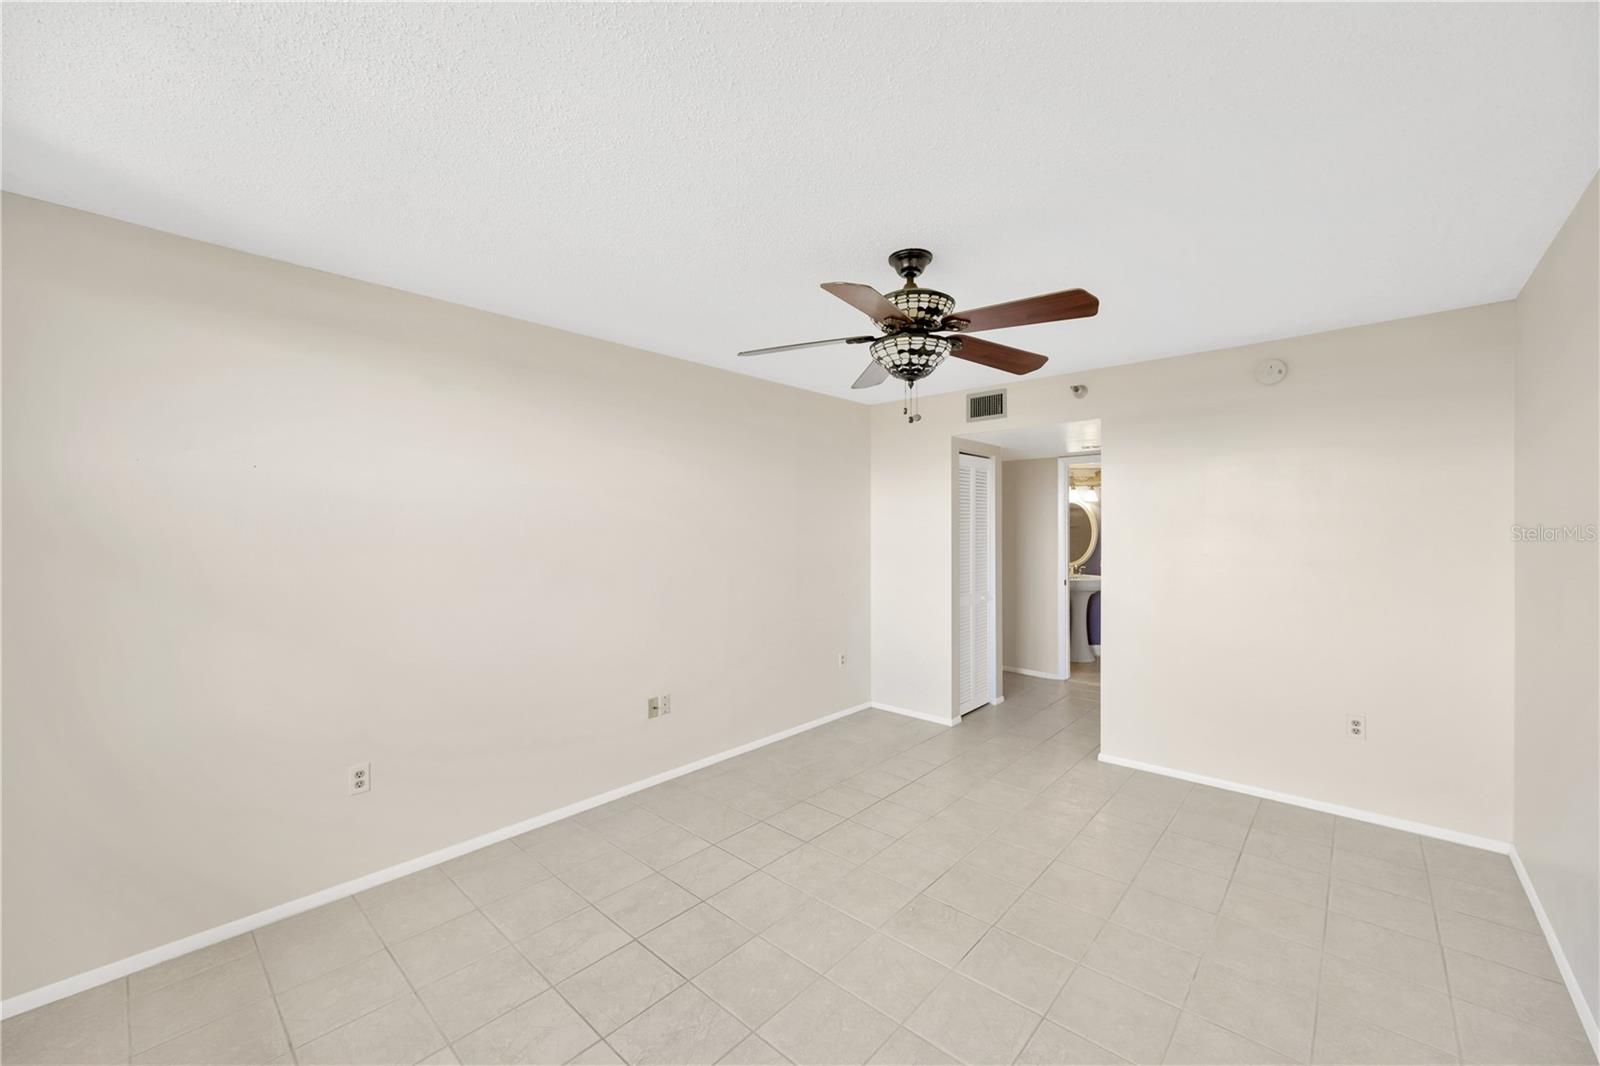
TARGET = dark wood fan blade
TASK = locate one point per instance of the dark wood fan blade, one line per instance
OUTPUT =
(999, 356)
(807, 344)
(866, 299)
(872, 375)
(1055, 307)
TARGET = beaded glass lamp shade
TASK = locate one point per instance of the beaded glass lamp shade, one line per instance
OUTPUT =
(923, 307)
(910, 356)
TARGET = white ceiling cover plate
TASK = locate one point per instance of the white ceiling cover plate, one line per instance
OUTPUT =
(681, 178)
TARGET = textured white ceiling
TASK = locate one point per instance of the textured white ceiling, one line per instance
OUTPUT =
(681, 178)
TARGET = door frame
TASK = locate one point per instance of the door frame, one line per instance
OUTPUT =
(1064, 548)
(992, 578)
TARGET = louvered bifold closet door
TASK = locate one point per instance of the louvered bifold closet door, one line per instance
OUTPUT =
(975, 602)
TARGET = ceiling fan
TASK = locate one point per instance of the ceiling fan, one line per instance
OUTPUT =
(912, 319)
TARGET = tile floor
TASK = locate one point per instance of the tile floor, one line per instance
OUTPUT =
(883, 890)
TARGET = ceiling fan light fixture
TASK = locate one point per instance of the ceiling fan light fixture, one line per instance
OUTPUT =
(922, 307)
(910, 356)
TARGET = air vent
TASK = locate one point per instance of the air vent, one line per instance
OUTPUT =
(982, 406)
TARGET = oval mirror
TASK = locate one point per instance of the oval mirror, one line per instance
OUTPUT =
(1083, 531)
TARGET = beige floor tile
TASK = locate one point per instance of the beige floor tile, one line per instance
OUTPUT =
(920, 797)
(1528, 952)
(324, 1003)
(1199, 854)
(1376, 873)
(1378, 842)
(1289, 850)
(1511, 992)
(481, 992)
(1345, 1040)
(171, 1011)
(810, 868)
(575, 942)
(1108, 860)
(411, 904)
(562, 845)
(1265, 958)
(309, 945)
(1182, 883)
(1290, 821)
(906, 1048)
(853, 841)
(1017, 968)
(430, 955)
(753, 1051)
(714, 822)
(888, 975)
(665, 846)
(936, 929)
(1043, 834)
(398, 1032)
(1009, 862)
(755, 980)
(1294, 882)
(968, 888)
(544, 1029)
(893, 818)
(1178, 924)
(1387, 1001)
(90, 1027)
(695, 939)
(1114, 1016)
(1197, 1041)
(1276, 914)
(705, 873)
(1266, 1014)
(525, 913)
(827, 1025)
(166, 973)
(646, 904)
(1223, 832)
(804, 821)
(866, 896)
(598, 1053)
(818, 935)
(1399, 913)
(760, 844)
(1490, 1037)
(1503, 908)
(758, 901)
(609, 873)
(1082, 888)
(619, 986)
(909, 865)
(1143, 962)
(510, 870)
(1060, 927)
(1108, 828)
(686, 1027)
(944, 838)
(843, 800)
(251, 1035)
(1384, 949)
(973, 1023)
(1051, 1045)
(1472, 865)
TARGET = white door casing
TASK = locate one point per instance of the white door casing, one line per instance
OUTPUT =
(975, 580)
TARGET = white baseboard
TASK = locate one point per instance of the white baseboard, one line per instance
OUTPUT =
(909, 713)
(1585, 1011)
(82, 982)
(1034, 673)
(1353, 813)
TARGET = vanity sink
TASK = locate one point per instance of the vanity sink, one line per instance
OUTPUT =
(1084, 582)
(1080, 587)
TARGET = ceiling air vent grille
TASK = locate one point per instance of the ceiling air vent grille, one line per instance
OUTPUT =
(982, 406)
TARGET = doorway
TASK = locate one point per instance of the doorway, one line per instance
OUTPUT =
(977, 644)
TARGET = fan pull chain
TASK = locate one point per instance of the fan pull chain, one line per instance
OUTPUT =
(910, 407)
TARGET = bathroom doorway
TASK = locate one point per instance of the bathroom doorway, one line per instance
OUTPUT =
(1081, 539)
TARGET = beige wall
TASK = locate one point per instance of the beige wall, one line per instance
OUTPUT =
(1558, 590)
(1283, 555)
(263, 523)
(1030, 574)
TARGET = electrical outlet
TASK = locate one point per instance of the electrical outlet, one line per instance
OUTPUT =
(360, 781)
(652, 707)
(841, 660)
(1356, 726)
(666, 705)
